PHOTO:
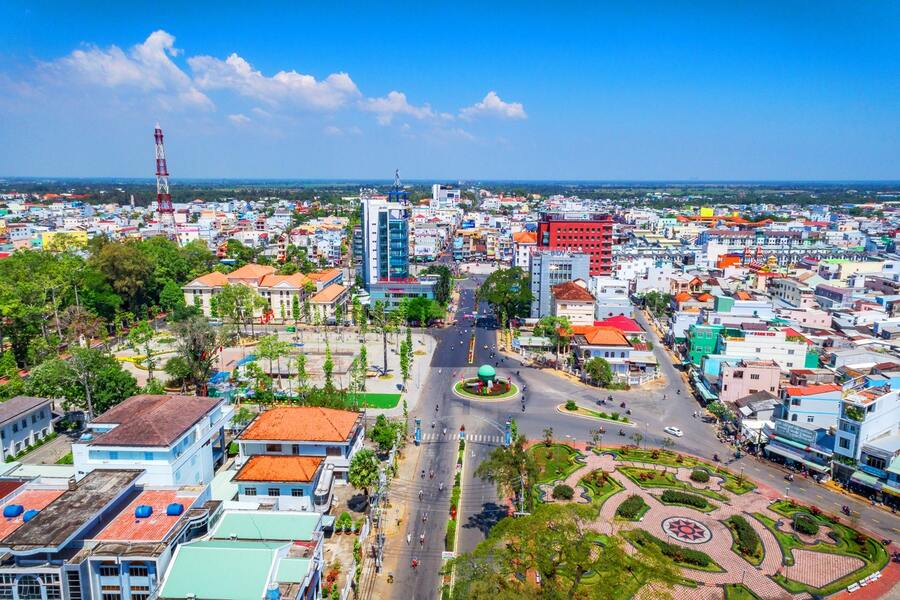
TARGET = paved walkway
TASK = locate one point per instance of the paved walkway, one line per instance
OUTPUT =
(712, 536)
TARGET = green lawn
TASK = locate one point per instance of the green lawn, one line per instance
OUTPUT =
(375, 400)
(612, 417)
(600, 494)
(866, 549)
(733, 483)
(639, 537)
(738, 591)
(556, 461)
(660, 479)
(755, 559)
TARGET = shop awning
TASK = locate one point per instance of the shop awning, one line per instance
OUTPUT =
(889, 489)
(780, 450)
(799, 445)
(704, 390)
(866, 479)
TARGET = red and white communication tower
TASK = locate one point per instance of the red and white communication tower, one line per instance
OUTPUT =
(163, 197)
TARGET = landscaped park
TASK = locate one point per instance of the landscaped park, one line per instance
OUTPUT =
(729, 538)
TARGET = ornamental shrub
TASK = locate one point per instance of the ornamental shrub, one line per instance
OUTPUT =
(806, 524)
(676, 497)
(631, 507)
(699, 475)
(747, 539)
(563, 492)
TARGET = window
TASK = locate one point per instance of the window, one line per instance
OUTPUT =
(295, 449)
(725, 388)
(24, 423)
(844, 443)
(148, 456)
(791, 351)
(138, 571)
(274, 492)
(33, 419)
(333, 451)
(297, 492)
(109, 570)
(273, 448)
(250, 491)
(754, 376)
(875, 461)
(110, 594)
(15, 427)
(41, 414)
(738, 374)
(2, 434)
(29, 588)
(113, 455)
(810, 418)
(794, 417)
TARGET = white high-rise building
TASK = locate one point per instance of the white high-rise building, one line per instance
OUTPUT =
(444, 196)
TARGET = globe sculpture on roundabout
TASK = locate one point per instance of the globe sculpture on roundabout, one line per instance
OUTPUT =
(486, 385)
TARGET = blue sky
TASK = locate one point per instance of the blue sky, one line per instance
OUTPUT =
(520, 90)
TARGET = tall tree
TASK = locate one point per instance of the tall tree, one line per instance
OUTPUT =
(556, 329)
(444, 287)
(513, 470)
(140, 338)
(364, 470)
(508, 291)
(127, 270)
(381, 319)
(196, 345)
(598, 370)
(559, 543)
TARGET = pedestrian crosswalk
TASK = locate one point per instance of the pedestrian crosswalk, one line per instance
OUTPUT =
(475, 438)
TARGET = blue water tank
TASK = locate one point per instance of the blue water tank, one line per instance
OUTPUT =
(30, 514)
(11, 511)
(175, 509)
(143, 511)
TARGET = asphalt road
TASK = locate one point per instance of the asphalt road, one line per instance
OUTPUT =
(652, 409)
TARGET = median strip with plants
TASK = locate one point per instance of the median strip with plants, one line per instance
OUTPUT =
(572, 407)
(455, 492)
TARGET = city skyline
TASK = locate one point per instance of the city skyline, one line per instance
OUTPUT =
(706, 93)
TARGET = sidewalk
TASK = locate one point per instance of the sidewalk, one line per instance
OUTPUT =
(377, 585)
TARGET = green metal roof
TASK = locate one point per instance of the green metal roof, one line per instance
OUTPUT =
(221, 570)
(293, 570)
(865, 478)
(254, 525)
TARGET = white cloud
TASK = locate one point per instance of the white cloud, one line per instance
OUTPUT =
(395, 104)
(493, 106)
(285, 87)
(337, 131)
(239, 119)
(147, 67)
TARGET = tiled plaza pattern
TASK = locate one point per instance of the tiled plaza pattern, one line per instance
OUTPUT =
(813, 568)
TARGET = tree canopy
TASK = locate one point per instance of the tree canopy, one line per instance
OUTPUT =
(508, 291)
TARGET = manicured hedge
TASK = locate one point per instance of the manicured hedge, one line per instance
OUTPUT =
(676, 497)
(676, 553)
(805, 523)
(631, 507)
(747, 539)
(700, 475)
(563, 492)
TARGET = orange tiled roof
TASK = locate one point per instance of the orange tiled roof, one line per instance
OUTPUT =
(326, 275)
(742, 295)
(251, 271)
(704, 297)
(296, 280)
(682, 297)
(127, 527)
(212, 279)
(302, 423)
(525, 237)
(264, 467)
(29, 499)
(329, 294)
(811, 390)
(597, 335)
(571, 291)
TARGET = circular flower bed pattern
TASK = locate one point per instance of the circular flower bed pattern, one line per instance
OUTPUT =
(686, 530)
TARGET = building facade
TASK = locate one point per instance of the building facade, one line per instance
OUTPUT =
(549, 268)
(587, 233)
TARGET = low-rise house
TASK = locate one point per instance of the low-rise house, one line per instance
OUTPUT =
(250, 555)
(308, 431)
(24, 421)
(815, 406)
(573, 301)
(174, 440)
(286, 482)
(103, 537)
(800, 445)
(746, 377)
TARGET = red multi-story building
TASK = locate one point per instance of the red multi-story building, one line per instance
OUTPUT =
(579, 232)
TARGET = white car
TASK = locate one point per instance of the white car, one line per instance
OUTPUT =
(673, 431)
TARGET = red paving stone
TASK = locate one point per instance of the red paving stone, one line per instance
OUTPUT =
(30, 500)
(890, 581)
(154, 528)
(818, 569)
